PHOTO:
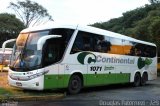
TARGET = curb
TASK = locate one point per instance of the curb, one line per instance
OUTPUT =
(32, 98)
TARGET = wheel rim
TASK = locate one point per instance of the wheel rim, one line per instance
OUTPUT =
(75, 84)
(137, 80)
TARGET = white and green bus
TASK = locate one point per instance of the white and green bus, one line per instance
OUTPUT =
(73, 57)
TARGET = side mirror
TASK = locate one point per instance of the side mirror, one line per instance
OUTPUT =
(43, 39)
(7, 41)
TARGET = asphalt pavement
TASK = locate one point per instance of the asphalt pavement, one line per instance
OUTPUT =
(110, 95)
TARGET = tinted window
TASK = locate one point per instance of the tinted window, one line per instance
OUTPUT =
(151, 50)
(98, 43)
(145, 50)
(128, 47)
(138, 49)
(102, 44)
(83, 42)
(55, 47)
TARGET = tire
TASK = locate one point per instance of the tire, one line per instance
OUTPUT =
(144, 79)
(75, 84)
(137, 80)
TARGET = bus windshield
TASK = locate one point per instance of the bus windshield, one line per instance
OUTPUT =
(26, 57)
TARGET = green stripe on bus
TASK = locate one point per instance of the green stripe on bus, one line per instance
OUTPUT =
(61, 81)
(104, 79)
(56, 81)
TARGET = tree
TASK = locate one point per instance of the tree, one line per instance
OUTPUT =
(10, 27)
(30, 12)
(142, 23)
(154, 1)
(141, 29)
(154, 29)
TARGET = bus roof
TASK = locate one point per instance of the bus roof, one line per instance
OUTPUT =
(45, 27)
(86, 29)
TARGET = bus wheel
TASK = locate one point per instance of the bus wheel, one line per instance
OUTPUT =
(144, 79)
(137, 80)
(75, 84)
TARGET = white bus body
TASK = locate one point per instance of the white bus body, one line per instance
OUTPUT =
(79, 56)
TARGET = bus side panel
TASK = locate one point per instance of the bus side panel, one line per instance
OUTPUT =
(51, 78)
(122, 78)
(152, 74)
(152, 69)
(57, 77)
(105, 79)
(124, 73)
(63, 79)
(98, 76)
(105, 74)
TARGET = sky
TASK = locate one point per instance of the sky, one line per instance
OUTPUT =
(83, 12)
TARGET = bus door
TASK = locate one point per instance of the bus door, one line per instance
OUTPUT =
(52, 55)
(49, 60)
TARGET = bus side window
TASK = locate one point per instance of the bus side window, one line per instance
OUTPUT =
(102, 44)
(48, 56)
(145, 50)
(77, 45)
(116, 46)
(151, 51)
(128, 47)
(138, 49)
(88, 41)
(52, 52)
(83, 42)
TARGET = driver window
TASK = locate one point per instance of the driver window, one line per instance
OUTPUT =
(51, 53)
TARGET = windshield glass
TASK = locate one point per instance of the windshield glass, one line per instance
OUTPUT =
(26, 57)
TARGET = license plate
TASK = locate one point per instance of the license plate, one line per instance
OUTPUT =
(18, 84)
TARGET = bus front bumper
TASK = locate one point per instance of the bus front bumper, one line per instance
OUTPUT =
(33, 84)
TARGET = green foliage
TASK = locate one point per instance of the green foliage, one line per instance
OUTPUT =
(154, 1)
(10, 27)
(154, 29)
(141, 23)
(30, 12)
(4, 92)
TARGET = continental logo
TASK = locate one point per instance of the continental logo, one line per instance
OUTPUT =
(86, 58)
(90, 58)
